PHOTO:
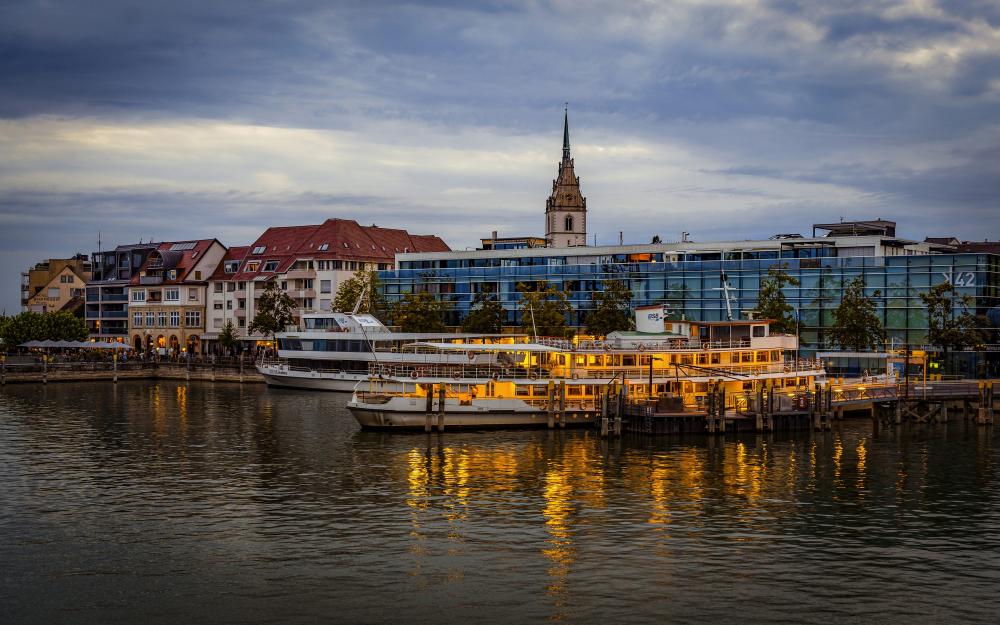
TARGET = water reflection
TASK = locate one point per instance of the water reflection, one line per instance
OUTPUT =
(275, 507)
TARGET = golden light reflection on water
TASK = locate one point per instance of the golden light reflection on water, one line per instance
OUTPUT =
(862, 452)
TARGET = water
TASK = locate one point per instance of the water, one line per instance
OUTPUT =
(166, 503)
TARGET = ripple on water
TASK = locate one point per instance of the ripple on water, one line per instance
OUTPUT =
(153, 503)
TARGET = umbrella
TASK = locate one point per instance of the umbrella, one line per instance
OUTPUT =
(31, 344)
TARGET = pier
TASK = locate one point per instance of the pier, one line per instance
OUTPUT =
(45, 372)
(766, 410)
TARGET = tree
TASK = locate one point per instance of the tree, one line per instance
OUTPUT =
(946, 329)
(420, 312)
(485, 317)
(656, 239)
(544, 310)
(32, 326)
(367, 282)
(612, 309)
(771, 302)
(227, 336)
(856, 325)
(274, 312)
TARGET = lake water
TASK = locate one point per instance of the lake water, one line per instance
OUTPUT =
(171, 503)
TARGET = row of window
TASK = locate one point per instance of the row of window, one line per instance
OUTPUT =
(192, 319)
(271, 265)
(166, 295)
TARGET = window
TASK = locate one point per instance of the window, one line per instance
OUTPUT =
(307, 303)
(259, 249)
(137, 319)
(242, 303)
(324, 247)
(139, 295)
(161, 319)
(241, 322)
(307, 283)
(569, 223)
(284, 285)
(231, 266)
(216, 323)
(253, 265)
(175, 319)
(183, 247)
(171, 295)
(271, 265)
(229, 304)
(230, 287)
(218, 287)
(192, 318)
(197, 275)
(54, 292)
(150, 319)
(66, 279)
(192, 295)
(325, 286)
(217, 305)
(324, 304)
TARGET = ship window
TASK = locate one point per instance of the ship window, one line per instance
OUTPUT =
(761, 356)
(746, 356)
(716, 358)
(758, 331)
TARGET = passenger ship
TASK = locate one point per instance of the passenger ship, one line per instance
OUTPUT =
(334, 351)
(498, 385)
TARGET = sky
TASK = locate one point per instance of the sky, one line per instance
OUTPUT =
(726, 119)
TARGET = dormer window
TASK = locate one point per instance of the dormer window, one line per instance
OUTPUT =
(259, 249)
(271, 265)
(231, 266)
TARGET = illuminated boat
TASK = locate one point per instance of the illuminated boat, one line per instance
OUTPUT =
(523, 384)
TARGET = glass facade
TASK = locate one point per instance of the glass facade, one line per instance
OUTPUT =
(693, 286)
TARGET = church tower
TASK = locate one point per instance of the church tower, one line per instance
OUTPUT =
(566, 208)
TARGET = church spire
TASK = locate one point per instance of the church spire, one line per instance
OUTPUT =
(566, 132)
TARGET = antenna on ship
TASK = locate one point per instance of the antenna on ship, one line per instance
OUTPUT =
(725, 290)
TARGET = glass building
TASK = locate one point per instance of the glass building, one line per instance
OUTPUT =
(688, 278)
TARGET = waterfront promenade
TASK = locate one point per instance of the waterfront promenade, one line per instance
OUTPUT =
(45, 373)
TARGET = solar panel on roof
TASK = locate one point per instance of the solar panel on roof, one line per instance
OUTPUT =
(182, 247)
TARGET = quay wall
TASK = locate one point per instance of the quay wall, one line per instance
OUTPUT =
(37, 375)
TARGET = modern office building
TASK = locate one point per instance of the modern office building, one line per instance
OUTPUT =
(687, 277)
(106, 308)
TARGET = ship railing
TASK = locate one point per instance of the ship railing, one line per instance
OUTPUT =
(632, 344)
(472, 371)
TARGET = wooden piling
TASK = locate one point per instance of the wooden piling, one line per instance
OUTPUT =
(429, 408)
(562, 404)
(442, 393)
(550, 405)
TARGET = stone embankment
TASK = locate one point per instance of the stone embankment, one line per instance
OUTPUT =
(86, 372)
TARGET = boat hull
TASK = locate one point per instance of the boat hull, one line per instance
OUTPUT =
(410, 414)
(311, 380)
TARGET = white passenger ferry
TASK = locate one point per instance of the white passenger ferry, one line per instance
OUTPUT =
(334, 351)
(521, 384)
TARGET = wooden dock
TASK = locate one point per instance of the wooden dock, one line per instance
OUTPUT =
(768, 410)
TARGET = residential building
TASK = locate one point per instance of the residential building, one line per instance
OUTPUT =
(56, 284)
(689, 277)
(309, 263)
(168, 294)
(106, 309)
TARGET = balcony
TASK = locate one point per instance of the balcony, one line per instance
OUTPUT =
(114, 297)
(114, 314)
(300, 274)
(150, 280)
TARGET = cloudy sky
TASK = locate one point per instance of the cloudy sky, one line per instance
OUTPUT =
(726, 119)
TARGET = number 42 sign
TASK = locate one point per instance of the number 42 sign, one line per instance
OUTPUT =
(961, 278)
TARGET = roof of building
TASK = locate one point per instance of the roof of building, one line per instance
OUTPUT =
(179, 256)
(858, 228)
(334, 239)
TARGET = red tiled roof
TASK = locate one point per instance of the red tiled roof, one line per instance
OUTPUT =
(238, 252)
(344, 239)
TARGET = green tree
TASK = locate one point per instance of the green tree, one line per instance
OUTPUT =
(485, 317)
(544, 310)
(274, 312)
(656, 239)
(946, 329)
(771, 302)
(612, 309)
(227, 336)
(367, 282)
(420, 312)
(32, 326)
(856, 325)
